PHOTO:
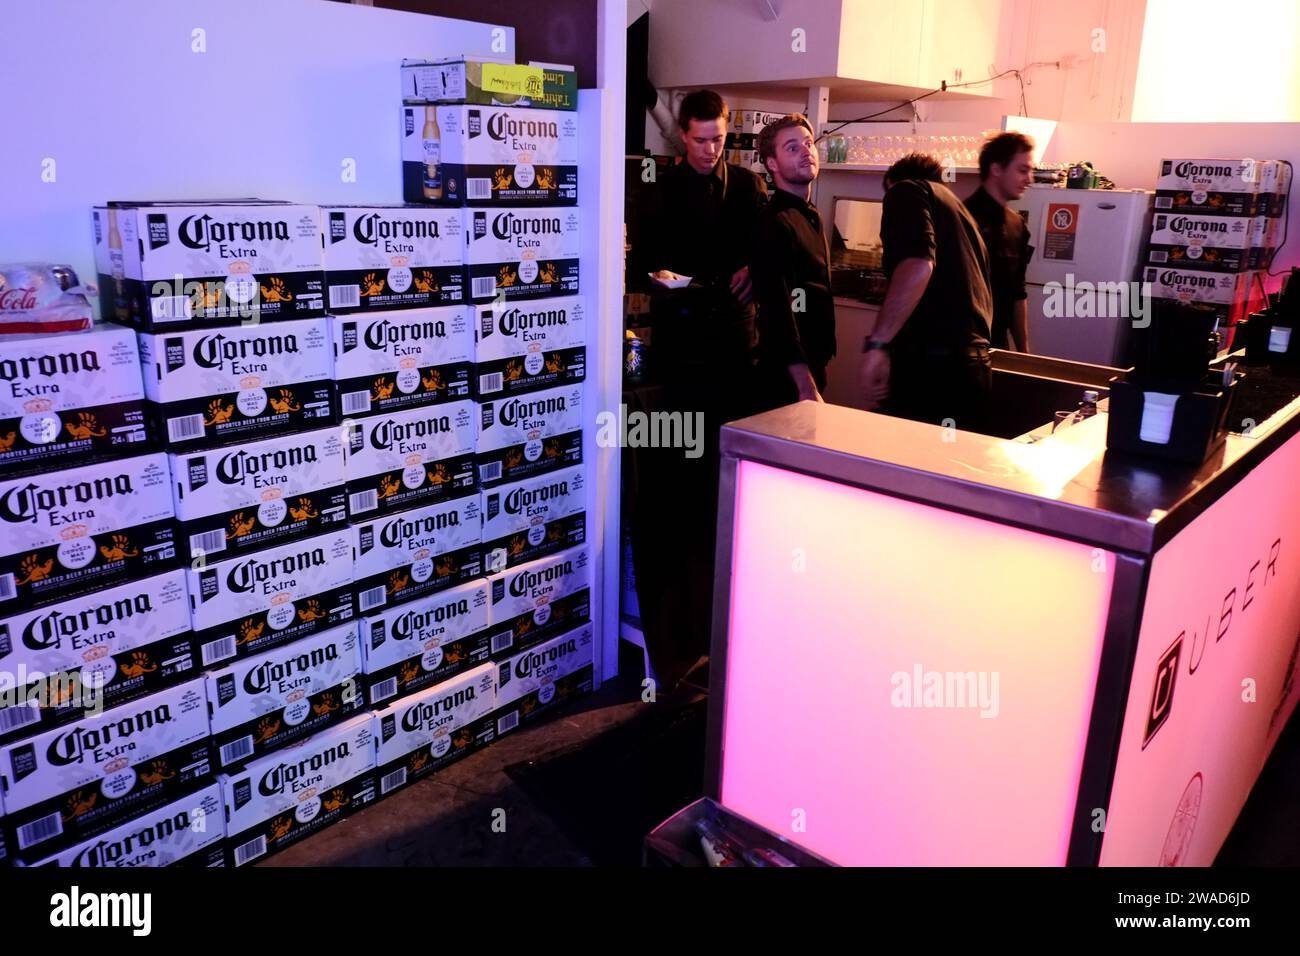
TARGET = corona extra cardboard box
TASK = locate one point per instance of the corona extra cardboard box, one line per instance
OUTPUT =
(398, 460)
(70, 783)
(522, 253)
(213, 386)
(1218, 175)
(532, 518)
(244, 497)
(526, 346)
(204, 264)
(248, 604)
(65, 532)
(544, 677)
(188, 832)
(425, 642)
(425, 732)
(100, 649)
(290, 692)
(527, 435)
(535, 601)
(392, 257)
(1201, 243)
(292, 793)
(411, 554)
(66, 398)
(397, 361)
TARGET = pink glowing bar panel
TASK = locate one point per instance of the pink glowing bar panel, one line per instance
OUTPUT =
(906, 685)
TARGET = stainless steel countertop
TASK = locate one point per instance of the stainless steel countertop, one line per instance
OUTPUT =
(1066, 486)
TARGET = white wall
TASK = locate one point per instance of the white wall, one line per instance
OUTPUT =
(123, 107)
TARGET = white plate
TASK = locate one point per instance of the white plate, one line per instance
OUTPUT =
(681, 282)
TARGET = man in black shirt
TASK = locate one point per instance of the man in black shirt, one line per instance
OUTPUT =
(698, 220)
(791, 271)
(927, 358)
(1006, 169)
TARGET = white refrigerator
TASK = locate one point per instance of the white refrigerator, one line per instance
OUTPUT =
(1082, 238)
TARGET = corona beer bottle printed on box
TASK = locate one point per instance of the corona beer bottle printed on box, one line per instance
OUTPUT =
(66, 398)
(287, 795)
(522, 253)
(63, 532)
(402, 459)
(544, 677)
(526, 346)
(100, 649)
(532, 518)
(187, 266)
(392, 257)
(243, 497)
(288, 693)
(535, 601)
(425, 642)
(527, 435)
(397, 361)
(188, 832)
(248, 604)
(70, 783)
(429, 730)
(213, 386)
(410, 554)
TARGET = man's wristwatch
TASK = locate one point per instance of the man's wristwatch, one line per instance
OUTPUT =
(874, 345)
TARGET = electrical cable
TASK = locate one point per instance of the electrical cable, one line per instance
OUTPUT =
(941, 89)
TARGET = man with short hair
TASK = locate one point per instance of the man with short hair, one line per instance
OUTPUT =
(1006, 170)
(791, 271)
(928, 357)
(698, 221)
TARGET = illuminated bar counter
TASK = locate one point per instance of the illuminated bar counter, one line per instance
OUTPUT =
(933, 647)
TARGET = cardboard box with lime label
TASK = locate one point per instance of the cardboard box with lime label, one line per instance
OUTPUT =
(240, 498)
(392, 257)
(100, 649)
(248, 604)
(71, 783)
(211, 386)
(66, 532)
(421, 734)
(289, 794)
(293, 691)
(417, 645)
(65, 398)
(489, 82)
(489, 156)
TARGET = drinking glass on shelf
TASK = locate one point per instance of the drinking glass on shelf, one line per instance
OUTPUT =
(874, 156)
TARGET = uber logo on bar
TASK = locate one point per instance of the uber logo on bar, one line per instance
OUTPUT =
(1162, 693)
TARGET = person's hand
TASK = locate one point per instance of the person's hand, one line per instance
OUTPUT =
(875, 378)
(804, 384)
(741, 286)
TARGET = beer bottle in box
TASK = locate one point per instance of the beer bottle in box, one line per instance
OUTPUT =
(432, 142)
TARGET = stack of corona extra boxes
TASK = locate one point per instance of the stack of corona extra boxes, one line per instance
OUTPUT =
(1216, 225)
(742, 139)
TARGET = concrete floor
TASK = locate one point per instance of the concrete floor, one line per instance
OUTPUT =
(447, 820)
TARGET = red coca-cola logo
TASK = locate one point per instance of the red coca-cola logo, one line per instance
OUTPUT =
(17, 300)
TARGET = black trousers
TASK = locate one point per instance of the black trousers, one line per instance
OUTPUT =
(946, 389)
(774, 388)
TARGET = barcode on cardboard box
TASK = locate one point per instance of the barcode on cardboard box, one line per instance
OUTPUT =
(7, 587)
(392, 780)
(45, 828)
(490, 471)
(484, 286)
(363, 501)
(509, 722)
(215, 651)
(209, 542)
(371, 598)
(19, 716)
(501, 641)
(250, 851)
(491, 382)
(180, 429)
(172, 308)
(239, 750)
(345, 296)
(1164, 202)
(354, 402)
(479, 187)
(383, 690)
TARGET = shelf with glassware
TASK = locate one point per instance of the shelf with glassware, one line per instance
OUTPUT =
(874, 147)
(883, 167)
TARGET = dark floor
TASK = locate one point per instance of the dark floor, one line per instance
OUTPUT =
(583, 788)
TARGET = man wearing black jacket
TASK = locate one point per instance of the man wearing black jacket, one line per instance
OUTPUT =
(790, 269)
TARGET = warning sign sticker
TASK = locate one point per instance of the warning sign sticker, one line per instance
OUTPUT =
(1060, 232)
